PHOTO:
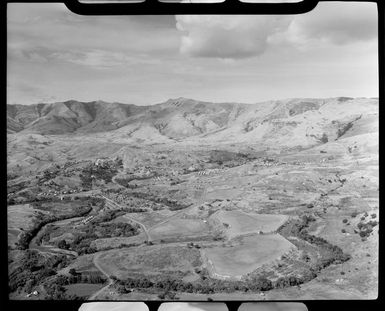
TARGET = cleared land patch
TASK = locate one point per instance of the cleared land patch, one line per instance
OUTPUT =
(115, 242)
(181, 229)
(152, 260)
(83, 263)
(251, 253)
(82, 290)
(149, 219)
(223, 192)
(238, 223)
(20, 217)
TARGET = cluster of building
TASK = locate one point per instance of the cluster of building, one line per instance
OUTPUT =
(209, 172)
(87, 220)
(103, 162)
(56, 192)
(130, 202)
(160, 178)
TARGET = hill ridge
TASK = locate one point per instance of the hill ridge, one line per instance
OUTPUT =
(304, 121)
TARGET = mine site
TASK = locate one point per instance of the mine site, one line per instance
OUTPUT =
(192, 158)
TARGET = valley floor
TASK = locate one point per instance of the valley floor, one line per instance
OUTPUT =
(302, 224)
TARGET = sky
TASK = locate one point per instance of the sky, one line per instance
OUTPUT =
(56, 55)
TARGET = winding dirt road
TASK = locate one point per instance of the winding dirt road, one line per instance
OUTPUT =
(110, 281)
(146, 232)
(130, 218)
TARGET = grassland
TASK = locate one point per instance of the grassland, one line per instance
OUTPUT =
(233, 222)
(20, 218)
(149, 219)
(178, 229)
(238, 223)
(251, 253)
(82, 290)
(149, 260)
(118, 242)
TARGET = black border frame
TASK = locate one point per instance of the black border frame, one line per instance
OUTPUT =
(153, 7)
(157, 7)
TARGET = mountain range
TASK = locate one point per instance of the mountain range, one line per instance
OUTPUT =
(290, 122)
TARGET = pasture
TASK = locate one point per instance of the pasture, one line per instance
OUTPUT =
(82, 290)
(117, 242)
(181, 229)
(63, 208)
(150, 260)
(239, 223)
(83, 263)
(222, 192)
(73, 182)
(149, 219)
(251, 253)
(20, 217)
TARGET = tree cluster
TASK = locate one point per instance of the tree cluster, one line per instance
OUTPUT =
(42, 220)
(33, 269)
(173, 205)
(204, 286)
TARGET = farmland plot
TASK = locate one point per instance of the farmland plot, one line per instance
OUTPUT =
(251, 253)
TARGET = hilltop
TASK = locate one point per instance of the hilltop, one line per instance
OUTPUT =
(294, 122)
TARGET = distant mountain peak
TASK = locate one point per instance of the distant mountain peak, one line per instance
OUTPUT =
(301, 121)
(180, 100)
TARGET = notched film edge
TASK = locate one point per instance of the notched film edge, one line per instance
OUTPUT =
(192, 157)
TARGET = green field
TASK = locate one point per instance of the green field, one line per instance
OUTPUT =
(241, 223)
(82, 290)
(251, 253)
(83, 263)
(180, 229)
(149, 219)
(222, 192)
(157, 259)
(116, 242)
(63, 208)
(20, 217)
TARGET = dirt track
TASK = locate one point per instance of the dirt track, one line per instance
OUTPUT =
(130, 218)
(110, 281)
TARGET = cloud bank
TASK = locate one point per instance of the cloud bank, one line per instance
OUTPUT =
(239, 37)
(227, 36)
(336, 23)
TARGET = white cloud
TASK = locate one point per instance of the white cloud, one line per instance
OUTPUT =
(336, 23)
(227, 36)
(137, 59)
(99, 59)
(237, 37)
(54, 27)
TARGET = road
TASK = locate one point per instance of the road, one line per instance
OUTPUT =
(110, 281)
(146, 232)
(33, 244)
(198, 203)
(176, 215)
(148, 237)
